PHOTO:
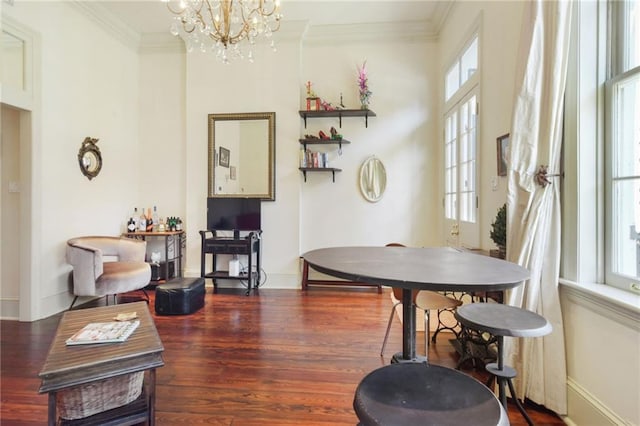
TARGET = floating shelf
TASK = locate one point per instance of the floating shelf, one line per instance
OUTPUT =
(366, 113)
(339, 142)
(332, 170)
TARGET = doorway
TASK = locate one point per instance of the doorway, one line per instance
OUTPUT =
(11, 218)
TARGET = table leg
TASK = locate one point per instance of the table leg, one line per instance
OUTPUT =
(152, 397)
(52, 409)
(408, 325)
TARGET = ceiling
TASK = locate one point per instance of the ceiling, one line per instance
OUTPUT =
(152, 16)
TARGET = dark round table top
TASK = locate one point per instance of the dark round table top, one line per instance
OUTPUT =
(430, 268)
(423, 394)
(502, 320)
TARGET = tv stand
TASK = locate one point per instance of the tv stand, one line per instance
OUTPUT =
(214, 245)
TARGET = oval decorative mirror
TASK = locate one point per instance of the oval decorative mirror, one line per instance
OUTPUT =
(89, 158)
(373, 179)
(242, 155)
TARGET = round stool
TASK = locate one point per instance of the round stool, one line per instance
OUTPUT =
(503, 320)
(423, 394)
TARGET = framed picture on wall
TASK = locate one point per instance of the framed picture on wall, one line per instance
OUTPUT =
(502, 151)
(224, 157)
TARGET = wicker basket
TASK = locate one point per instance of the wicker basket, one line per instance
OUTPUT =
(96, 397)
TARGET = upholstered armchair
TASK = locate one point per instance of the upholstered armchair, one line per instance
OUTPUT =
(107, 265)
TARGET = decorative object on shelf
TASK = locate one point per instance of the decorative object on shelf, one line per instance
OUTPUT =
(89, 158)
(323, 135)
(313, 101)
(363, 87)
(218, 25)
(498, 231)
(502, 150)
(326, 106)
(373, 179)
(335, 135)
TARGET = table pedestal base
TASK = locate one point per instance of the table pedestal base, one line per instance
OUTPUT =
(397, 358)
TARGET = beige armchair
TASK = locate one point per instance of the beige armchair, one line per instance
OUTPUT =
(107, 265)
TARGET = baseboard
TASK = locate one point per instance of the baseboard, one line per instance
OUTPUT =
(279, 281)
(586, 410)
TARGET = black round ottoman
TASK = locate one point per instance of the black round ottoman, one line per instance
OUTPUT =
(422, 394)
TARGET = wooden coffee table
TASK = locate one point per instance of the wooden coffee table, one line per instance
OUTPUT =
(68, 366)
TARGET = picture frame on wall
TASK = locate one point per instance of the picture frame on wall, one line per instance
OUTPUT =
(502, 151)
(224, 157)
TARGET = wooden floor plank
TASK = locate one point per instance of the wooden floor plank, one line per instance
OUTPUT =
(277, 358)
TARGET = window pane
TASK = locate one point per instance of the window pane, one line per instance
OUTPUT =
(469, 61)
(626, 130)
(631, 49)
(453, 81)
(625, 228)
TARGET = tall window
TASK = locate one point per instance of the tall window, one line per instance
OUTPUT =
(460, 138)
(622, 148)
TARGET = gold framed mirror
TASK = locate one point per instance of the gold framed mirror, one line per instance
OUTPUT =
(241, 155)
(373, 179)
(89, 158)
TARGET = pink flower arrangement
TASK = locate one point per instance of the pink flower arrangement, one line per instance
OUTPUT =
(363, 86)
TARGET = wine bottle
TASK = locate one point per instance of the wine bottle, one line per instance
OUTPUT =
(156, 220)
(149, 220)
(142, 222)
(136, 218)
(131, 225)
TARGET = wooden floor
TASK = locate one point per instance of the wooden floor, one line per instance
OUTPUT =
(280, 357)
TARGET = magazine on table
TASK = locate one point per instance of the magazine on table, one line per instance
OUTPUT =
(103, 332)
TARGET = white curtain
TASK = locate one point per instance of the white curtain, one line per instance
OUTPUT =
(533, 211)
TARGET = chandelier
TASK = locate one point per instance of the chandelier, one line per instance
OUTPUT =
(220, 25)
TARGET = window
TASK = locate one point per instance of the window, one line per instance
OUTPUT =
(622, 148)
(460, 138)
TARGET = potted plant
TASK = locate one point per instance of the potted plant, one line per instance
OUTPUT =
(499, 231)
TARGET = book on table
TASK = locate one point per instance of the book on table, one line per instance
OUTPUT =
(103, 332)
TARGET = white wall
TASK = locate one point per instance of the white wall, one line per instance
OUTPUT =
(89, 87)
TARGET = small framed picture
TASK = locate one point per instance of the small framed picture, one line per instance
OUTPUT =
(502, 151)
(224, 157)
(232, 172)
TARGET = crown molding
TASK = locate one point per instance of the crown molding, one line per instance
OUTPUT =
(108, 22)
(391, 31)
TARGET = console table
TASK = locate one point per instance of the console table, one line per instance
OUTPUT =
(214, 245)
(173, 243)
(69, 366)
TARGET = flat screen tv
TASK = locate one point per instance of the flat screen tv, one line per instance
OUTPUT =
(238, 214)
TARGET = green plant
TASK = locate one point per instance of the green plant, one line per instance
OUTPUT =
(499, 228)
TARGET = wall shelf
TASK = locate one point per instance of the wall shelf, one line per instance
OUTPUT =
(339, 142)
(332, 170)
(366, 113)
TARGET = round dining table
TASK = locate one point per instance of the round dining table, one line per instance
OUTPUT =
(429, 268)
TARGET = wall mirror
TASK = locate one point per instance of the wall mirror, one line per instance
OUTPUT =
(89, 158)
(242, 155)
(373, 179)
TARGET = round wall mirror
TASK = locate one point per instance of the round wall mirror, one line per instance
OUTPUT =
(89, 158)
(373, 179)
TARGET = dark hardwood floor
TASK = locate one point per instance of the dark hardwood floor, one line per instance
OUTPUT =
(280, 357)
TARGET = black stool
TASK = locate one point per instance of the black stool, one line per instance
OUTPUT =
(503, 320)
(180, 296)
(421, 394)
